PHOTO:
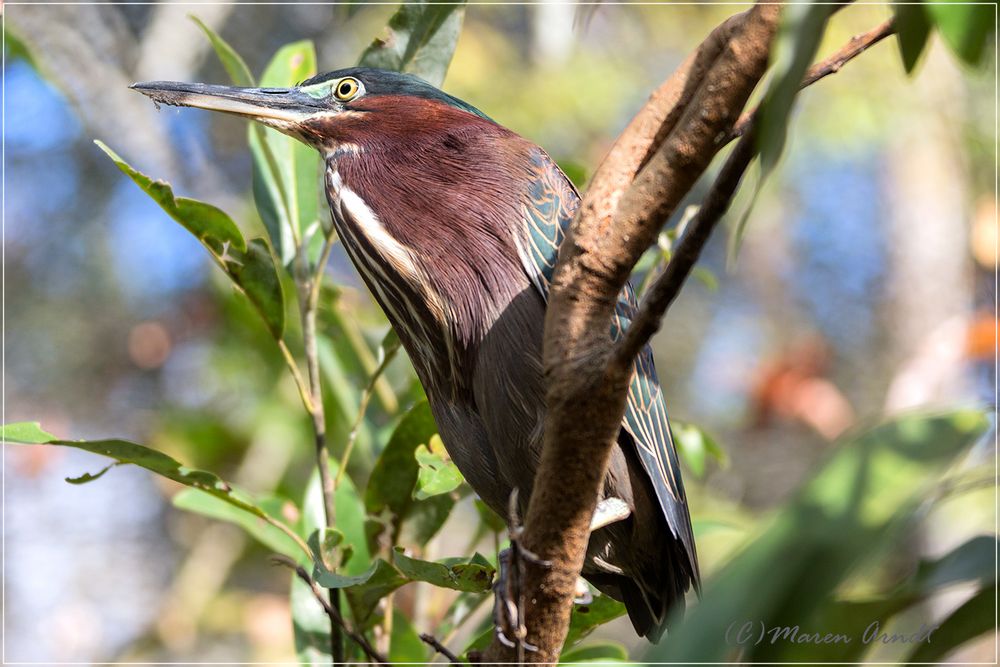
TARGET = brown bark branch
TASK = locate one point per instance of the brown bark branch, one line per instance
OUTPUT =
(615, 224)
(687, 250)
(854, 48)
(438, 647)
(667, 286)
(332, 612)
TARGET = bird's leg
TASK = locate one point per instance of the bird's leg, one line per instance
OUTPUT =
(508, 610)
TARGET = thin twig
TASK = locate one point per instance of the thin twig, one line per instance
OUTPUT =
(665, 288)
(432, 641)
(300, 382)
(366, 395)
(309, 290)
(334, 614)
(854, 48)
(291, 533)
(686, 251)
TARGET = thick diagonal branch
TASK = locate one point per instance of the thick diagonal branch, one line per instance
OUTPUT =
(686, 252)
(667, 285)
(615, 224)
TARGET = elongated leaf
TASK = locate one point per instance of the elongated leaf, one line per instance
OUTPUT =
(248, 265)
(913, 28)
(237, 69)
(286, 171)
(972, 561)
(199, 502)
(585, 618)
(363, 590)
(420, 39)
(437, 474)
(125, 452)
(798, 38)
(965, 28)
(309, 623)
(972, 619)
(858, 504)
(350, 519)
(394, 477)
(694, 445)
(471, 575)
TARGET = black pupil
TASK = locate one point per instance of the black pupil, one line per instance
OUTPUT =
(345, 89)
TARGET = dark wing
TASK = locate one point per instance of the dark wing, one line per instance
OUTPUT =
(549, 207)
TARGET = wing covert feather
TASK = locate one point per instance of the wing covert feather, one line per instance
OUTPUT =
(549, 207)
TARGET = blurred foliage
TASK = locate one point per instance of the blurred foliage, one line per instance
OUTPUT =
(397, 489)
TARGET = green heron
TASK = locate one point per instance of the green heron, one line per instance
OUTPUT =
(454, 222)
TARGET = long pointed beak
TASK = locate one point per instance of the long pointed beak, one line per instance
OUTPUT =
(271, 106)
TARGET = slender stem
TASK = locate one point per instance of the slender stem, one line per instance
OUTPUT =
(292, 534)
(304, 391)
(440, 648)
(366, 395)
(283, 196)
(854, 48)
(309, 289)
(665, 288)
(332, 612)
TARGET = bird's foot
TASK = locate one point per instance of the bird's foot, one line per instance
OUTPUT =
(508, 604)
(508, 609)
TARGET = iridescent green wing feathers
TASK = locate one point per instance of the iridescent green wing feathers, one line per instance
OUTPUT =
(549, 206)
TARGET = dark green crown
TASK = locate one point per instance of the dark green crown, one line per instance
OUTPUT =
(387, 82)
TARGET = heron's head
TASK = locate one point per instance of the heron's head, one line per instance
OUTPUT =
(353, 108)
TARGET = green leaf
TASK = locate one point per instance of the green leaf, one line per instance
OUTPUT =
(437, 473)
(971, 562)
(694, 444)
(426, 517)
(858, 505)
(237, 69)
(310, 625)
(125, 452)
(324, 543)
(585, 618)
(248, 265)
(286, 171)
(599, 652)
(350, 519)
(795, 45)
(90, 477)
(199, 502)
(210, 225)
(974, 618)
(18, 49)
(420, 39)
(965, 28)
(913, 28)
(395, 474)
(25, 433)
(257, 277)
(706, 277)
(473, 575)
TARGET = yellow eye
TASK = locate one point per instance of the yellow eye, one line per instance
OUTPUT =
(346, 89)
